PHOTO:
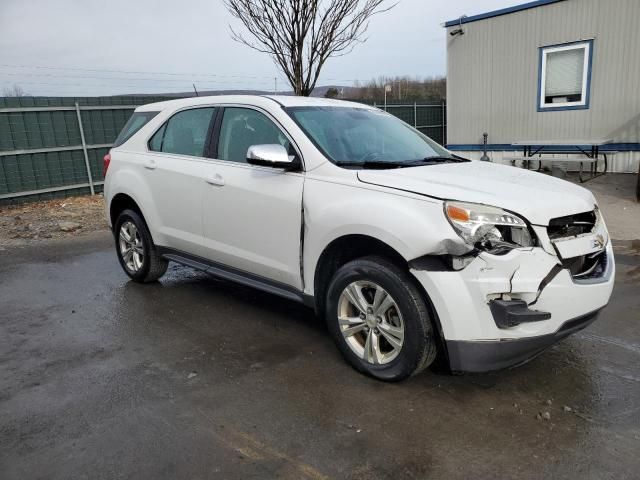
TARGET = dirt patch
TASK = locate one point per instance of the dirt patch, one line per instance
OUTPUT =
(30, 223)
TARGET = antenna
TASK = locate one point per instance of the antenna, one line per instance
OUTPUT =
(194, 89)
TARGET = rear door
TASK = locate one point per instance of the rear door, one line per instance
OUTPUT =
(175, 168)
(252, 214)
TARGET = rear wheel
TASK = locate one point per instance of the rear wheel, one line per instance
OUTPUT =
(380, 320)
(137, 254)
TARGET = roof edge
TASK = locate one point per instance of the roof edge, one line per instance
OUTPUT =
(497, 13)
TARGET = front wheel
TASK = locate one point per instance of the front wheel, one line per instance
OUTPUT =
(137, 254)
(380, 320)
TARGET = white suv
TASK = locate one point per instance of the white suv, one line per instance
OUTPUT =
(406, 250)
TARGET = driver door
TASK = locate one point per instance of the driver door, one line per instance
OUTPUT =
(251, 215)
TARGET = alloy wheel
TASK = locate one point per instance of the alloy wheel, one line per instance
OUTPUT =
(370, 322)
(131, 248)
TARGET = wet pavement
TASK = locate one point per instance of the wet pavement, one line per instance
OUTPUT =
(198, 378)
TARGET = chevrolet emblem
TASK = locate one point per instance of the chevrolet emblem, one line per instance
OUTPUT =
(598, 242)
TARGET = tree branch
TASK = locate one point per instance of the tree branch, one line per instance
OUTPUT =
(301, 35)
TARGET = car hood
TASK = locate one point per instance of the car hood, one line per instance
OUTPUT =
(535, 196)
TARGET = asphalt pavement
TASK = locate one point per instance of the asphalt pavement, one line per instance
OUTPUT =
(198, 378)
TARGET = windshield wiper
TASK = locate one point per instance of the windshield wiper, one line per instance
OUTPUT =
(374, 164)
(381, 164)
(441, 159)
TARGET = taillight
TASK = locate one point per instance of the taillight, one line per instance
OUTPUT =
(105, 164)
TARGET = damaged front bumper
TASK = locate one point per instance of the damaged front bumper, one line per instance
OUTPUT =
(485, 356)
(503, 310)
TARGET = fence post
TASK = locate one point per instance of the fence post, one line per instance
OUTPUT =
(444, 127)
(415, 115)
(84, 150)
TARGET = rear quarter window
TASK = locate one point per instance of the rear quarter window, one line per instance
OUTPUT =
(135, 123)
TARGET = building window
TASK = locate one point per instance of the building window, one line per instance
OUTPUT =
(565, 74)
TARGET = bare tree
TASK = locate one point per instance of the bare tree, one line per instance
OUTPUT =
(300, 35)
(15, 91)
(403, 88)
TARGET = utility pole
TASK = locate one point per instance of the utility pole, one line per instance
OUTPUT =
(387, 88)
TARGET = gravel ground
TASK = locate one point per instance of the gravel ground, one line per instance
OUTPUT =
(32, 222)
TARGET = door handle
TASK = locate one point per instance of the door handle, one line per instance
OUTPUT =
(150, 164)
(216, 180)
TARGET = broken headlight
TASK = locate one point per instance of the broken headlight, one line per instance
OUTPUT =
(488, 228)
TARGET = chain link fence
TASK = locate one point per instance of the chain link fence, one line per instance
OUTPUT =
(52, 147)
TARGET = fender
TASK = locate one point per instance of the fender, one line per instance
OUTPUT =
(413, 227)
(131, 183)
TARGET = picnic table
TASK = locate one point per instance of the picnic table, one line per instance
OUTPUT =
(589, 150)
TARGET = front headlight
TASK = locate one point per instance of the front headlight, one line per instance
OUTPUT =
(488, 228)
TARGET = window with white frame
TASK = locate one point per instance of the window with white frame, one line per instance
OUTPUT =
(564, 76)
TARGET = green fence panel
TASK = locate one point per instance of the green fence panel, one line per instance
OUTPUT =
(28, 130)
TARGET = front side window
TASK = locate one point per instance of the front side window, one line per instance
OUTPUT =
(243, 127)
(564, 76)
(185, 133)
(355, 136)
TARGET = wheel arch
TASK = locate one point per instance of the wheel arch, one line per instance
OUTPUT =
(121, 202)
(343, 249)
(351, 246)
(124, 181)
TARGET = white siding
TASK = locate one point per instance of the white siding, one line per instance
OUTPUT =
(492, 77)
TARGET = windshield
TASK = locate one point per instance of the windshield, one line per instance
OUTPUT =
(353, 136)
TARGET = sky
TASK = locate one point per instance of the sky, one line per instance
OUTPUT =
(107, 47)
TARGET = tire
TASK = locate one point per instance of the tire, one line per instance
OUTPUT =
(145, 265)
(408, 313)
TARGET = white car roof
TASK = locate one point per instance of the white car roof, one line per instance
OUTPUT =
(265, 101)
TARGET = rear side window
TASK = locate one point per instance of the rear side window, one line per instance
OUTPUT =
(135, 123)
(185, 133)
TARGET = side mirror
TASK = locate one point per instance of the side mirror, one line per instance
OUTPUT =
(270, 155)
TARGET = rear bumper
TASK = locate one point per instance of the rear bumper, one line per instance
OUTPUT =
(485, 356)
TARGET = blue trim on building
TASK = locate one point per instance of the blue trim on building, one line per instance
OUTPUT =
(502, 11)
(507, 147)
(589, 68)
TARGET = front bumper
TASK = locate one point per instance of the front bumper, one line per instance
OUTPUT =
(476, 356)
(462, 300)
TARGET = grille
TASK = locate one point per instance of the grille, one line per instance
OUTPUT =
(571, 225)
(584, 267)
(587, 267)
